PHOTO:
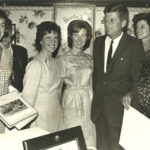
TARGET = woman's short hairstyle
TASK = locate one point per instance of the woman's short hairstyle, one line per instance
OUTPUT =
(47, 27)
(75, 27)
(8, 28)
(4, 16)
(141, 16)
(121, 9)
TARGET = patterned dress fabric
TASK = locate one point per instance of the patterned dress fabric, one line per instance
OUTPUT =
(76, 72)
(41, 82)
(143, 97)
(5, 74)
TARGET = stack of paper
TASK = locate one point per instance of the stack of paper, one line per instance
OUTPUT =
(135, 134)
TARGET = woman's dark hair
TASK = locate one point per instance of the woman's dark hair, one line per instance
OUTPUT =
(140, 16)
(47, 27)
(4, 16)
(8, 28)
(74, 27)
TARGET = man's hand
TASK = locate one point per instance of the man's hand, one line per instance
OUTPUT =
(126, 100)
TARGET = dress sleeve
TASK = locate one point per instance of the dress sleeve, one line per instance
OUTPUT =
(31, 81)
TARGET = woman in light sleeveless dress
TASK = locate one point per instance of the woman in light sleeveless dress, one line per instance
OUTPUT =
(76, 71)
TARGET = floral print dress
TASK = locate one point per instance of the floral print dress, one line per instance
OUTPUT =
(143, 97)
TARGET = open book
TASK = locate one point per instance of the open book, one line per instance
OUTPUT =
(15, 111)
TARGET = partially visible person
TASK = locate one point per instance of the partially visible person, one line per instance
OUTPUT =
(42, 79)
(20, 57)
(76, 71)
(118, 60)
(3, 23)
(5, 62)
(141, 101)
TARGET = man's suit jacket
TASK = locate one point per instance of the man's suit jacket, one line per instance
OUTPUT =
(20, 60)
(120, 79)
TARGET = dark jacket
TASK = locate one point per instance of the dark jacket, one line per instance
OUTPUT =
(20, 60)
(120, 79)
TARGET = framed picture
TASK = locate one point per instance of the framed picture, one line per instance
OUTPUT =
(69, 139)
(65, 13)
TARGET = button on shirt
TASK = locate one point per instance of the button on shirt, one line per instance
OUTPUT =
(107, 46)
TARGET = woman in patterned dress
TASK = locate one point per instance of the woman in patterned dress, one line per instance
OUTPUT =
(76, 71)
(42, 79)
(142, 31)
(5, 62)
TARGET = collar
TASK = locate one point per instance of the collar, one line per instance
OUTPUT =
(45, 57)
(116, 40)
(9, 49)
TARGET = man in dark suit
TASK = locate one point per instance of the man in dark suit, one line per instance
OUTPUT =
(19, 55)
(118, 59)
(19, 64)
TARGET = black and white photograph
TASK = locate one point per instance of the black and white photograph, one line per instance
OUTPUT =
(76, 63)
(12, 107)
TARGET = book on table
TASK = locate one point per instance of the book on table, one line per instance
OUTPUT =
(15, 111)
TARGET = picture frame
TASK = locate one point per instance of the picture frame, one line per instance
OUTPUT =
(65, 139)
(64, 13)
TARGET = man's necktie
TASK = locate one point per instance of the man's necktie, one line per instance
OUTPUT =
(109, 54)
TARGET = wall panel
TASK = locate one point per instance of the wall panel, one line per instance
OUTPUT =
(26, 18)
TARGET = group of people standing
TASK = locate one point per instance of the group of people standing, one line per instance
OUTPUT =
(46, 75)
(77, 89)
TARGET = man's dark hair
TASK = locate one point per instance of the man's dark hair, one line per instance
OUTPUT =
(121, 9)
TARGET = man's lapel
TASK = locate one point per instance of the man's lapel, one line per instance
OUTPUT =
(121, 47)
(14, 55)
(102, 53)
